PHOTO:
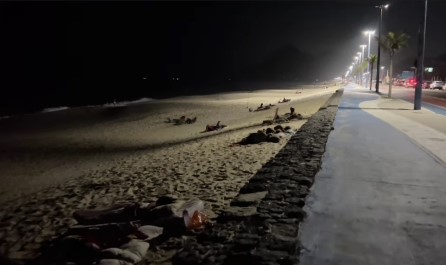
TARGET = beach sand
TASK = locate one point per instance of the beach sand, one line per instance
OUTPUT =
(55, 163)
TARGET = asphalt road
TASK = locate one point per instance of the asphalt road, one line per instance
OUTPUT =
(434, 100)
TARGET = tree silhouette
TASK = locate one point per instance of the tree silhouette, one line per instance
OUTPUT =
(372, 60)
(393, 43)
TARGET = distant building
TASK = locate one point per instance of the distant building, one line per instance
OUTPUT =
(435, 68)
(406, 75)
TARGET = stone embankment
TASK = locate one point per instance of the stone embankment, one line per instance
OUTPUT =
(262, 224)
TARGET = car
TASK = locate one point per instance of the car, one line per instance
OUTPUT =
(398, 82)
(437, 85)
(410, 82)
(426, 84)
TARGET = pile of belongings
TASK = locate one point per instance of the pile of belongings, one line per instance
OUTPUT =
(182, 120)
(268, 135)
(122, 234)
(292, 115)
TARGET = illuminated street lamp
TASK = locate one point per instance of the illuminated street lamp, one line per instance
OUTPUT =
(362, 47)
(362, 60)
(370, 33)
(381, 7)
(356, 62)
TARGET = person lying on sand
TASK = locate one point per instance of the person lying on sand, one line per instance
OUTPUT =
(284, 100)
(267, 107)
(181, 120)
(190, 121)
(210, 128)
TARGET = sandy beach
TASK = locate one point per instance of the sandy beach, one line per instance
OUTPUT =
(55, 163)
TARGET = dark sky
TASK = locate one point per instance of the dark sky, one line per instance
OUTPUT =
(71, 53)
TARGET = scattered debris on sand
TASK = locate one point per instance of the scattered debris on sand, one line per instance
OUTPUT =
(216, 127)
(268, 135)
(122, 234)
(182, 120)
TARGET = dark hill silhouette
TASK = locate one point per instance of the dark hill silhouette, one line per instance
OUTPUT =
(287, 63)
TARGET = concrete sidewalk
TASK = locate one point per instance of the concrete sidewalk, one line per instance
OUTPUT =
(380, 197)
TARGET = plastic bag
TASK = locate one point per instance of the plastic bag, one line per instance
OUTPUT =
(194, 218)
(198, 221)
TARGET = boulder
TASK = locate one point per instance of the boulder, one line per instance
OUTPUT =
(273, 139)
(255, 138)
(237, 213)
(248, 199)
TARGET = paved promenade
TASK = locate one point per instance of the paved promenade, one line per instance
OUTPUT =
(380, 197)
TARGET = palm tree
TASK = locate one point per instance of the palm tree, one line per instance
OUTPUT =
(372, 60)
(392, 43)
(362, 67)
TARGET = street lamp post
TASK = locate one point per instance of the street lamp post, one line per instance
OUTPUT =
(420, 63)
(369, 33)
(362, 56)
(381, 7)
(362, 47)
(360, 66)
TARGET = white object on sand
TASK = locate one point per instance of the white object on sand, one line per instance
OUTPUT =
(113, 262)
(189, 208)
(151, 231)
(133, 251)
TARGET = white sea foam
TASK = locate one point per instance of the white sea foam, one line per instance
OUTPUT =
(55, 109)
(127, 103)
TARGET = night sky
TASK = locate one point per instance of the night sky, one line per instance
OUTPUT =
(80, 53)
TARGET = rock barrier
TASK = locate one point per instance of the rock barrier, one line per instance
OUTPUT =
(261, 226)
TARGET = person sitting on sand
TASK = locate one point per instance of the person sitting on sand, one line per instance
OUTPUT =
(190, 121)
(291, 111)
(260, 107)
(180, 121)
(210, 128)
